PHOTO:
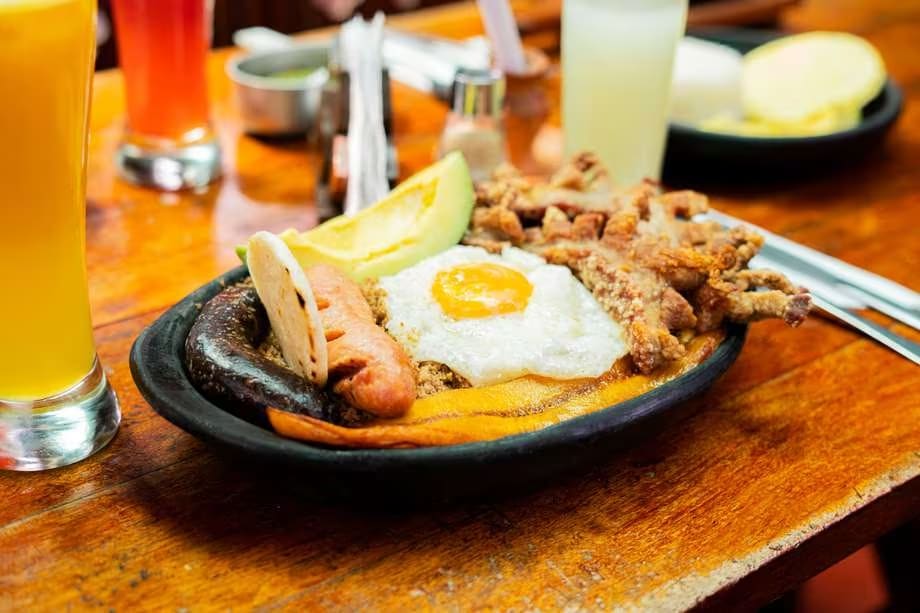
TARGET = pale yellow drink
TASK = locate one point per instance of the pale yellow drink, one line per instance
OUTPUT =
(617, 59)
(46, 62)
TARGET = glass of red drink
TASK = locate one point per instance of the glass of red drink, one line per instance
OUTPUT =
(162, 48)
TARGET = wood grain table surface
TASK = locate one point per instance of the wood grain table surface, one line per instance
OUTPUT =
(806, 450)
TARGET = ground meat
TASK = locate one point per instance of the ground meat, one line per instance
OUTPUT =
(271, 349)
(376, 298)
(434, 377)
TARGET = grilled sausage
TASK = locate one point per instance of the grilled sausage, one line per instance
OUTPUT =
(366, 366)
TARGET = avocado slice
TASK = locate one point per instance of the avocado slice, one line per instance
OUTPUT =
(424, 215)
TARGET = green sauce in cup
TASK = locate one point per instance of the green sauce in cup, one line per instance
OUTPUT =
(293, 75)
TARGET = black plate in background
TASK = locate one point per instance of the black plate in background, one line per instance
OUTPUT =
(696, 155)
(406, 476)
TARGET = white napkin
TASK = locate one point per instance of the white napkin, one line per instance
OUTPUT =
(361, 43)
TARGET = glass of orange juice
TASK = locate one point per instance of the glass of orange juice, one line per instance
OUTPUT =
(162, 48)
(56, 406)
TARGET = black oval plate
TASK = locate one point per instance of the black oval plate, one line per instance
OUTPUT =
(692, 153)
(411, 476)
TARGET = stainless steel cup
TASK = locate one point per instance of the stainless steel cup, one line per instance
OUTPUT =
(273, 106)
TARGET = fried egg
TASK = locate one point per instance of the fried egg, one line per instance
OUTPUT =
(492, 318)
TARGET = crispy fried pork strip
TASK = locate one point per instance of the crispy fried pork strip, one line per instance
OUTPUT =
(634, 299)
(655, 271)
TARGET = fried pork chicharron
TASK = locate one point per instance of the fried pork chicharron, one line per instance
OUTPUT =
(659, 274)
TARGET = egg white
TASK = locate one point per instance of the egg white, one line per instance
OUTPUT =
(563, 333)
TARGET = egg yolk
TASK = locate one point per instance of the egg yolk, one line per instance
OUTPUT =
(477, 290)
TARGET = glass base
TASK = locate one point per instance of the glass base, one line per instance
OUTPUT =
(170, 169)
(61, 429)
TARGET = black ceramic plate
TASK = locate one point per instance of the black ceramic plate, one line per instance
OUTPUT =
(407, 475)
(693, 153)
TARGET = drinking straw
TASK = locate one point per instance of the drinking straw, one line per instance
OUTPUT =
(503, 32)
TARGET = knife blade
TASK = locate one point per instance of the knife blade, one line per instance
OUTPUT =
(906, 347)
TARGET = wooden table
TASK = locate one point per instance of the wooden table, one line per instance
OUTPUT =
(806, 450)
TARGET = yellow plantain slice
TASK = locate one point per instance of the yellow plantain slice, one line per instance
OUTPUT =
(288, 299)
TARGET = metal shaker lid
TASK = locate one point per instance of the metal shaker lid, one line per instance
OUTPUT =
(479, 92)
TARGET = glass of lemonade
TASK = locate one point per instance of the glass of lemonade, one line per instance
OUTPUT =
(163, 47)
(617, 59)
(55, 404)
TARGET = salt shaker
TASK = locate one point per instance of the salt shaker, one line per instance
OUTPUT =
(475, 126)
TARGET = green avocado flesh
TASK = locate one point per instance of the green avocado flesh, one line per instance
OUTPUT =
(424, 215)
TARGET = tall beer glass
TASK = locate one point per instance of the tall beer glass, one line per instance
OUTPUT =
(162, 50)
(55, 404)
